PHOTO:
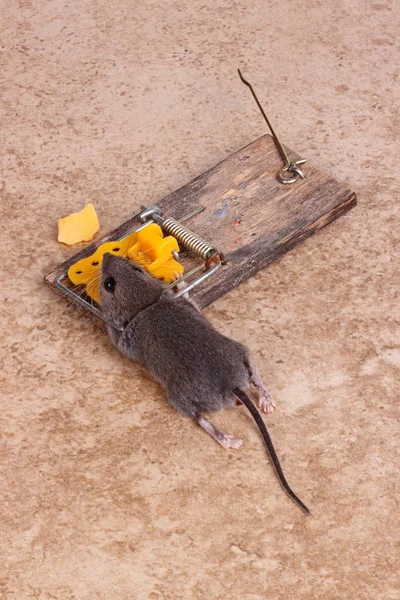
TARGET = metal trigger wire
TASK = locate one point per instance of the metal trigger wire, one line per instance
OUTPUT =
(289, 166)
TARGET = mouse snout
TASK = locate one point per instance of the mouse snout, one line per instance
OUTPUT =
(107, 259)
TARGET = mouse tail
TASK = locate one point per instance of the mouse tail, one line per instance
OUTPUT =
(268, 442)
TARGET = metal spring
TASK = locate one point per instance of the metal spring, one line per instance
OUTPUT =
(188, 239)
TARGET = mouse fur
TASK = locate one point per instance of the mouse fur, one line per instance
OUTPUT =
(198, 366)
(200, 369)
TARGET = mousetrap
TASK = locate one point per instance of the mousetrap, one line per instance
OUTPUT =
(242, 214)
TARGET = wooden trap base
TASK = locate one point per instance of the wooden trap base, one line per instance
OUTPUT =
(249, 216)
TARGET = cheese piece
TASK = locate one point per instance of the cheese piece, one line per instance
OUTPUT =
(78, 227)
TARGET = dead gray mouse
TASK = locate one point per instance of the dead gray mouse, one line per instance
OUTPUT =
(200, 369)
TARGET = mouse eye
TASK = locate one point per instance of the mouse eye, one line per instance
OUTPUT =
(138, 269)
(109, 284)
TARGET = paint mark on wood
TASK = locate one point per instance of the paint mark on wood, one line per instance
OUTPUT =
(224, 210)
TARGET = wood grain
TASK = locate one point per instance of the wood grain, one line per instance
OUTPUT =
(249, 216)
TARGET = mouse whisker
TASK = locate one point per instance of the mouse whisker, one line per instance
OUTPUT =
(94, 278)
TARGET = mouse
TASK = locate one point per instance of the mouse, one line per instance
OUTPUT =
(200, 369)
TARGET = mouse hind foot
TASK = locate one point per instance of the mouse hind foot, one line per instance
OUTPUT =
(224, 439)
(265, 401)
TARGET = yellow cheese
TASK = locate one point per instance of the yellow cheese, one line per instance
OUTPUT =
(78, 227)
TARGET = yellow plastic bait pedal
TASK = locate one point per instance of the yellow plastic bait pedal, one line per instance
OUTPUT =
(155, 253)
(146, 247)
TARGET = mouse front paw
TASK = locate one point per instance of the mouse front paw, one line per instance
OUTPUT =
(181, 285)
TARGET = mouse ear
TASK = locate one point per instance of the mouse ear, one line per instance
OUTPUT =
(137, 268)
